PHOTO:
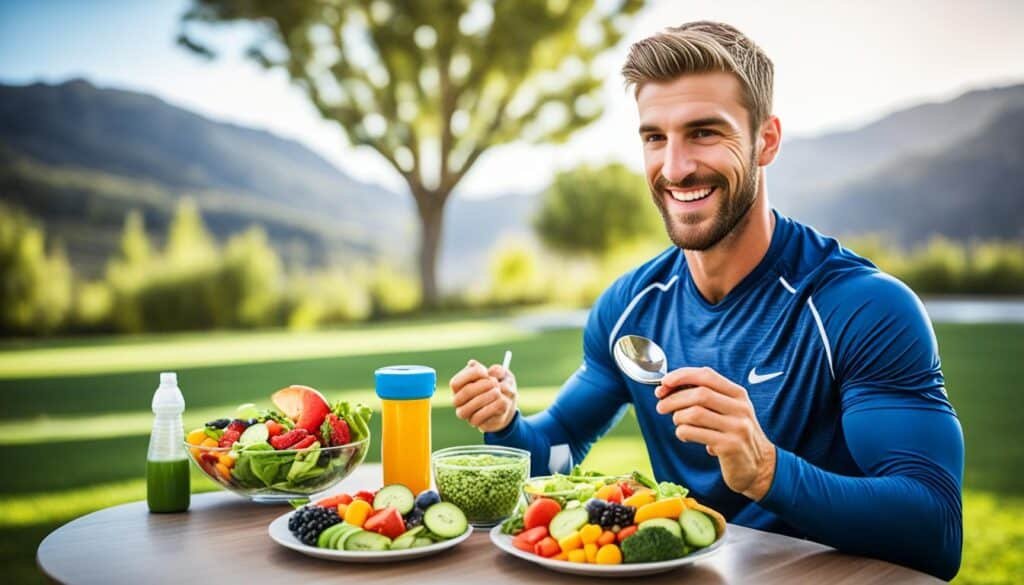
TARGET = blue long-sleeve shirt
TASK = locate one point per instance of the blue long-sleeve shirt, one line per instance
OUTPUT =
(841, 364)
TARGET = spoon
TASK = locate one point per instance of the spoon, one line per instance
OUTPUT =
(640, 359)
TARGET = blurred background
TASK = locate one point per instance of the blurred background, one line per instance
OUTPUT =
(260, 193)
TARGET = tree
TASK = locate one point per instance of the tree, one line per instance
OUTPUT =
(188, 240)
(432, 84)
(35, 287)
(128, 270)
(589, 210)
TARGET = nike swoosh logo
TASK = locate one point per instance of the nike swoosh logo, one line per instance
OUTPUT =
(754, 378)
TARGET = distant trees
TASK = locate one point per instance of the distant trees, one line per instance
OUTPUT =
(35, 290)
(192, 283)
(590, 210)
(433, 85)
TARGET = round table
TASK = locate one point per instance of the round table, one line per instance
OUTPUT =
(223, 539)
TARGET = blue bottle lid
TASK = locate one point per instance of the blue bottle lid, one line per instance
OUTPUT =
(405, 382)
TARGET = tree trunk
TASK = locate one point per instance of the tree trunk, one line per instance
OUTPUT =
(431, 214)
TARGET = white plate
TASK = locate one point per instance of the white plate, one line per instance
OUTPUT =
(504, 542)
(281, 535)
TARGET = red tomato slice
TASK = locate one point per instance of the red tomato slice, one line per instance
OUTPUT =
(387, 522)
(526, 539)
(540, 513)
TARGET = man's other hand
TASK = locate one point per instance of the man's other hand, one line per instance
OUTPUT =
(485, 397)
(717, 413)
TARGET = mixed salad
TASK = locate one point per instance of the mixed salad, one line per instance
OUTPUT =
(576, 485)
(299, 447)
(631, 519)
(389, 519)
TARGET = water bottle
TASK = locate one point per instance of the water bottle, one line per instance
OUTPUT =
(167, 476)
(405, 393)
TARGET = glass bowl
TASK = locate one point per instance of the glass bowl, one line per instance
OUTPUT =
(274, 476)
(484, 481)
(564, 488)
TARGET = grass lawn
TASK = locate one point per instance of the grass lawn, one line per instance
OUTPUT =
(74, 418)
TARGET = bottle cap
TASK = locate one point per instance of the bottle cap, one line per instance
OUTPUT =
(167, 397)
(405, 382)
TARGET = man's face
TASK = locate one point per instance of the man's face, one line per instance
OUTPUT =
(699, 156)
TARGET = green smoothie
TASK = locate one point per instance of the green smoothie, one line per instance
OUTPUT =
(167, 488)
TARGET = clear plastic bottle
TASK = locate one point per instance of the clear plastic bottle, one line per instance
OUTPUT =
(405, 393)
(167, 475)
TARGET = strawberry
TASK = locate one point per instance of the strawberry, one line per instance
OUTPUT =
(238, 425)
(335, 431)
(365, 496)
(274, 428)
(228, 438)
(305, 442)
(288, 439)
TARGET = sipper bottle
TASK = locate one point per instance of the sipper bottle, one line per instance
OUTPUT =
(405, 392)
(167, 476)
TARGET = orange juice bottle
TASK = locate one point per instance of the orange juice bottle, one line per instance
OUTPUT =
(405, 392)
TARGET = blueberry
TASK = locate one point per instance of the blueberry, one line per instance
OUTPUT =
(427, 499)
(414, 518)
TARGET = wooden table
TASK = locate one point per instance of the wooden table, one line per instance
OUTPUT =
(223, 539)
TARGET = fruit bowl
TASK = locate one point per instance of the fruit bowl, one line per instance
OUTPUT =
(272, 475)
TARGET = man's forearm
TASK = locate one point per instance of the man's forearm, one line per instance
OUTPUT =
(910, 514)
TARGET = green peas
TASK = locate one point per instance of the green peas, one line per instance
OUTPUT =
(483, 485)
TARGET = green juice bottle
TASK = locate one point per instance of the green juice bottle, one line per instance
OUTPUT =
(167, 476)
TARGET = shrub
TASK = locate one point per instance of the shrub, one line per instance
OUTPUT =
(35, 287)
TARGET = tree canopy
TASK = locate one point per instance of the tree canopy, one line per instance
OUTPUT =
(432, 84)
(589, 210)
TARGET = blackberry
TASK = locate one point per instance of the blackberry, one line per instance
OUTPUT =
(309, 521)
(220, 423)
(414, 518)
(595, 508)
(616, 516)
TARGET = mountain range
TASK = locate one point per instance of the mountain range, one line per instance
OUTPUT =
(78, 157)
(952, 168)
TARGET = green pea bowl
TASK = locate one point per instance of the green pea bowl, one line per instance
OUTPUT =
(484, 481)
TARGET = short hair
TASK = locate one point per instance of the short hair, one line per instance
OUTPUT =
(704, 47)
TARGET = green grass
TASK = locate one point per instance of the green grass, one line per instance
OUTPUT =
(74, 414)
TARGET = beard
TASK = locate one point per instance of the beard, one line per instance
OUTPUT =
(683, 228)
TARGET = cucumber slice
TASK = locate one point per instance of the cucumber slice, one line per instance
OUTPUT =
(338, 538)
(395, 496)
(445, 520)
(338, 543)
(421, 541)
(698, 529)
(406, 539)
(324, 540)
(364, 540)
(257, 433)
(670, 525)
(567, 521)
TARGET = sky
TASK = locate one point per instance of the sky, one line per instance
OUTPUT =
(838, 65)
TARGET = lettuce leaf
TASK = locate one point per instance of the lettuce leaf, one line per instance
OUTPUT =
(305, 461)
(356, 415)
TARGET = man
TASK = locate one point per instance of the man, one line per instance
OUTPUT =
(807, 396)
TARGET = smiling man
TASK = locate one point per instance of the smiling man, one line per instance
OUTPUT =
(807, 396)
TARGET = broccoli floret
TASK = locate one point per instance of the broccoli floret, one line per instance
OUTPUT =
(651, 545)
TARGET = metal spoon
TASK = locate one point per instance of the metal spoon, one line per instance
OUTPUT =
(640, 359)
